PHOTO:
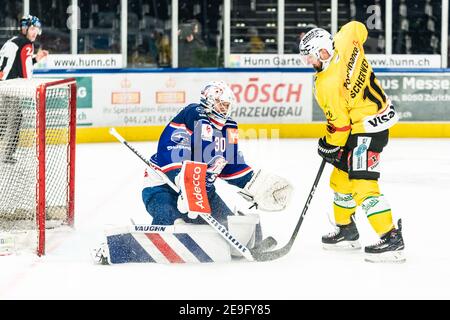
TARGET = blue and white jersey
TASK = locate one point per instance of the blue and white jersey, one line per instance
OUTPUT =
(192, 135)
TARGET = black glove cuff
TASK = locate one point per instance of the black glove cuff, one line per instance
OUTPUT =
(329, 151)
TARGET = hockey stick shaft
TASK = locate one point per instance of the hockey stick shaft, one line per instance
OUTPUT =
(272, 255)
(207, 217)
(161, 174)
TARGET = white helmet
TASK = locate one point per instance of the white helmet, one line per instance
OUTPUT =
(213, 92)
(311, 44)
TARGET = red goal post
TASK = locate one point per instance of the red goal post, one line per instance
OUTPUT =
(37, 160)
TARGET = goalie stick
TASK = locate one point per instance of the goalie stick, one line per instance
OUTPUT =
(275, 254)
(249, 254)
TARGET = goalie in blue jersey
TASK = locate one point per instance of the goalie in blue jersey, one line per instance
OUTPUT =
(204, 132)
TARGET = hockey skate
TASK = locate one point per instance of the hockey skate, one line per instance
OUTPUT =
(344, 238)
(100, 254)
(390, 248)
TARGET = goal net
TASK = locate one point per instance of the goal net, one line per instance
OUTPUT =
(37, 160)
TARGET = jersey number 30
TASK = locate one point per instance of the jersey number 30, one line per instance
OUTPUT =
(220, 144)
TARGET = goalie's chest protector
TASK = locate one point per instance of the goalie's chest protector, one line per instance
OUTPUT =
(218, 148)
(192, 136)
(210, 143)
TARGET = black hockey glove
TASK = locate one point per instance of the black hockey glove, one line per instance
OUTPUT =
(330, 153)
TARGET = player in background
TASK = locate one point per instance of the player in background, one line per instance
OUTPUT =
(359, 115)
(204, 132)
(16, 61)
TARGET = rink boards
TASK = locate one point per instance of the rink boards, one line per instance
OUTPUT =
(270, 103)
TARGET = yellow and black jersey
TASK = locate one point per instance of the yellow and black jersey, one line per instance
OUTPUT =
(348, 92)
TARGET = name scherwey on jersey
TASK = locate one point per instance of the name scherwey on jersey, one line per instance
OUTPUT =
(16, 58)
(348, 91)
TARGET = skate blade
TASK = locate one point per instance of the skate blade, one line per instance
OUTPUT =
(386, 257)
(342, 246)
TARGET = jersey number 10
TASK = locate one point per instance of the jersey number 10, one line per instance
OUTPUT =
(375, 87)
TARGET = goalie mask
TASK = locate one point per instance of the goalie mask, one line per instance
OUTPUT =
(218, 100)
(311, 44)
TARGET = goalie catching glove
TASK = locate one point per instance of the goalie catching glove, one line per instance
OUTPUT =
(267, 191)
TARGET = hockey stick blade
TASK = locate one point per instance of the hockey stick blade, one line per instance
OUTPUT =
(267, 244)
(275, 254)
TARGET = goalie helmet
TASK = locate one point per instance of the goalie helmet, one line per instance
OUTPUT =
(213, 96)
(311, 44)
(29, 20)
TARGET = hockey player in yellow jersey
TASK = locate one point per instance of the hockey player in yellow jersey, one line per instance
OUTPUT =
(359, 115)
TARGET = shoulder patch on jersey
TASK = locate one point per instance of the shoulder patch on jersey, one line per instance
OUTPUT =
(207, 132)
(180, 137)
(201, 111)
(197, 109)
(233, 135)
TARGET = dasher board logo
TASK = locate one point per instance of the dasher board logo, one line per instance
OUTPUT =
(84, 90)
(126, 98)
(265, 61)
(81, 61)
(170, 97)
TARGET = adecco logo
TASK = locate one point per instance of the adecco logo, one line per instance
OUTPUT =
(197, 187)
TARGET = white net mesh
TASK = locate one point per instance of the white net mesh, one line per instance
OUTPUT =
(20, 142)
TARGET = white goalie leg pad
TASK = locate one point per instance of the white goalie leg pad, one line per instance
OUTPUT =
(269, 191)
(344, 200)
(243, 228)
(375, 205)
(179, 243)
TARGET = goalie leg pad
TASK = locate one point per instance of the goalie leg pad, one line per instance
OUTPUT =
(161, 204)
(184, 243)
(220, 210)
(244, 229)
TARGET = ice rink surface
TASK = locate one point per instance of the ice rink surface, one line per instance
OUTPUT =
(415, 178)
